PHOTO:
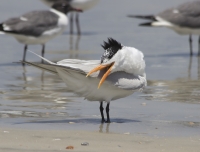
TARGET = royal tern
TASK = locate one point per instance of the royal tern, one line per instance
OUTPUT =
(184, 20)
(80, 4)
(38, 27)
(119, 73)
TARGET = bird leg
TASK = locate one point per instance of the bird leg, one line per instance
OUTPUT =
(71, 22)
(24, 56)
(101, 111)
(190, 41)
(78, 24)
(107, 112)
(199, 47)
(43, 49)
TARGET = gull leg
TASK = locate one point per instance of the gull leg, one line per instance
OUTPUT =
(71, 22)
(190, 41)
(199, 47)
(24, 55)
(107, 112)
(43, 50)
(101, 110)
(78, 24)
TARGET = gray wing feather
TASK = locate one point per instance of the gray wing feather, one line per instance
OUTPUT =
(84, 65)
(190, 8)
(37, 22)
(52, 67)
(185, 15)
(47, 67)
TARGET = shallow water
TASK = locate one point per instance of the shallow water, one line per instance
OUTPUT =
(169, 106)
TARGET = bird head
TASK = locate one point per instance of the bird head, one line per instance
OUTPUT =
(119, 58)
(64, 7)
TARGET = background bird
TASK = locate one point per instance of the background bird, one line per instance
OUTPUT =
(80, 4)
(183, 19)
(38, 27)
(119, 73)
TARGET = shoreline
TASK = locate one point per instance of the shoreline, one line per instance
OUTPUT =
(17, 140)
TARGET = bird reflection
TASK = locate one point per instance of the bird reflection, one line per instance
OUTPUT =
(182, 89)
(101, 127)
(74, 47)
(198, 67)
(77, 23)
(25, 78)
(189, 67)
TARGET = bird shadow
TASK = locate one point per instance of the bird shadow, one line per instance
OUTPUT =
(82, 120)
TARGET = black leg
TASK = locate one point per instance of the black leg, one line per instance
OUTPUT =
(77, 24)
(24, 55)
(190, 41)
(71, 22)
(107, 112)
(199, 47)
(101, 110)
(43, 50)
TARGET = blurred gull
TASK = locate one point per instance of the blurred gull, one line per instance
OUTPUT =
(80, 4)
(119, 73)
(184, 19)
(38, 27)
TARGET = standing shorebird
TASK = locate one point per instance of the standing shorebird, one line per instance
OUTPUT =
(119, 73)
(184, 19)
(38, 27)
(80, 4)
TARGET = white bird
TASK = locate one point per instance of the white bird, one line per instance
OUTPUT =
(184, 20)
(38, 27)
(121, 67)
(80, 4)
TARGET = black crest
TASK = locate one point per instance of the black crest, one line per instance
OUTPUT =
(111, 47)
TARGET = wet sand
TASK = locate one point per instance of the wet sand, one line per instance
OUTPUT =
(16, 140)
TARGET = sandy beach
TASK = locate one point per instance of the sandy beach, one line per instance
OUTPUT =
(16, 140)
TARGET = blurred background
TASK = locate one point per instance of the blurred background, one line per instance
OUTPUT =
(31, 97)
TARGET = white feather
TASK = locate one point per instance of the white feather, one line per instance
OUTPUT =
(43, 58)
(6, 27)
(23, 18)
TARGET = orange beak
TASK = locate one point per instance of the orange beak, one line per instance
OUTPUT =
(100, 67)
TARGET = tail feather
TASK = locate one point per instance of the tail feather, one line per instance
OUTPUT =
(147, 17)
(52, 67)
(47, 67)
(42, 58)
(146, 24)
